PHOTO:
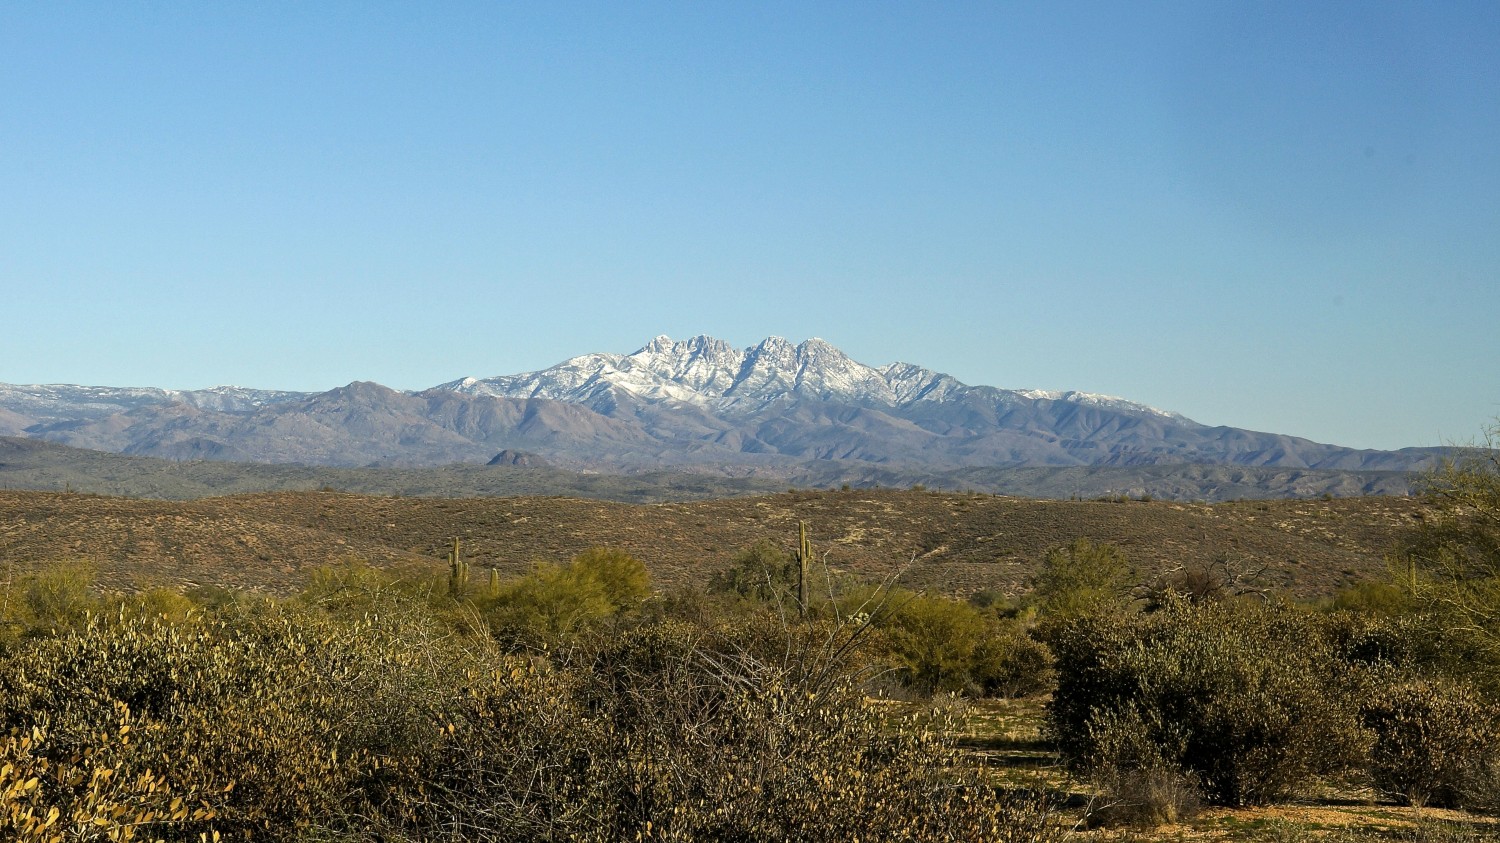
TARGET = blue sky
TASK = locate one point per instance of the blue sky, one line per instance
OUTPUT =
(1280, 216)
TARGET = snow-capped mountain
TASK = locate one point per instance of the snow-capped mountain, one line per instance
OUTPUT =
(51, 401)
(701, 404)
(711, 373)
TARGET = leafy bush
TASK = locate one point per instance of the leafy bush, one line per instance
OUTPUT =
(93, 796)
(46, 602)
(557, 602)
(622, 577)
(1083, 578)
(1247, 699)
(937, 645)
(761, 573)
(1010, 663)
(1436, 743)
(312, 720)
(1381, 598)
(932, 641)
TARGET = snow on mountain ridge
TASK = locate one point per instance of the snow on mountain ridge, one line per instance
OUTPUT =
(710, 372)
(93, 401)
(701, 371)
(1096, 399)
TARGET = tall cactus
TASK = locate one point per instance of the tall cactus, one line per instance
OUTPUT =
(458, 572)
(804, 560)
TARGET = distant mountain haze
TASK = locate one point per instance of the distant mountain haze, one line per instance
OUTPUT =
(774, 409)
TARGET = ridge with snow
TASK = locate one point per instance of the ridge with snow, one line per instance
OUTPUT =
(711, 373)
(771, 409)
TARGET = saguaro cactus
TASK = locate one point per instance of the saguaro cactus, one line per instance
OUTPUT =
(458, 572)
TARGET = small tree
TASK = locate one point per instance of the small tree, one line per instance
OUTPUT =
(49, 601)
(622, 577)
(1452, 564)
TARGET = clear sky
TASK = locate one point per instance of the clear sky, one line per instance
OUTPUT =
(1280, 216)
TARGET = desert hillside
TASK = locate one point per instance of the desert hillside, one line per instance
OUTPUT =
(949, 542)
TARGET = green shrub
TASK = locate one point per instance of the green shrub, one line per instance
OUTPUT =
(1009, 663)
(157, 603)
(1436, 743)
(932, 641)
(50, 601)
(1083, 578)
(938, 645)
(762, 573)
(554, 603)
(1247, 699)
(1381, 598)
(352, 589)
(622, 577)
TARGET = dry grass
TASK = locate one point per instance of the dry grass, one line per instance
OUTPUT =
(951, 542)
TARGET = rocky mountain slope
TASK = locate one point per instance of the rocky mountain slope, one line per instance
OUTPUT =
(774, 410)
(38, 464)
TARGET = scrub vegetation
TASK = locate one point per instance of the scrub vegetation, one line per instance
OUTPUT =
(777, 699)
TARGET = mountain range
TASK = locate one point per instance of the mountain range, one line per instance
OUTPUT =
(774, 409)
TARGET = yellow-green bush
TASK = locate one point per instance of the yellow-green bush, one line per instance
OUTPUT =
(1083, 578)
(761, 573)
(932, 640)
(556, 602)
(935, 644)
(308, 720)
(49, 601)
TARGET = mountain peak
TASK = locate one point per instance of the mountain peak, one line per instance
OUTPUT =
(709, 372)
(773, 344)
(771, 407)
(658, 344)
